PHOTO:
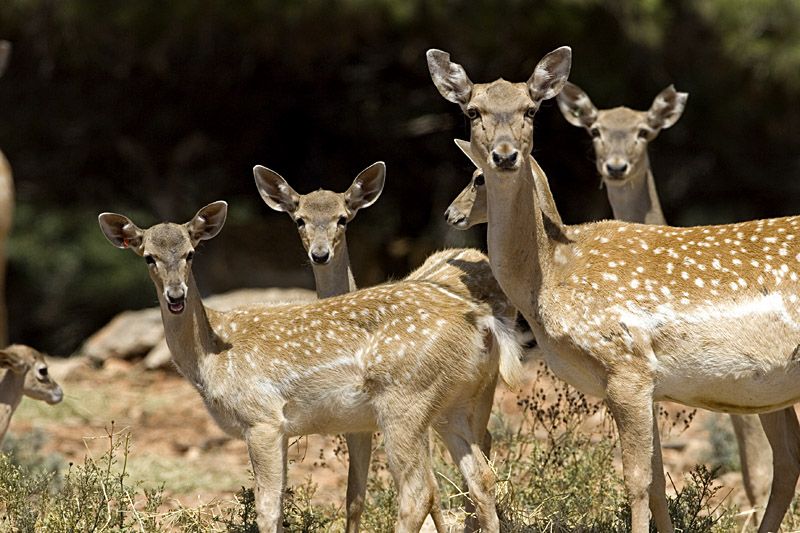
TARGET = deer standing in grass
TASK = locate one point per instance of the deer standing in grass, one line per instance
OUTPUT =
(620, 137)
(6, 211)
(395, 358)
(705, 316)
(23, 372)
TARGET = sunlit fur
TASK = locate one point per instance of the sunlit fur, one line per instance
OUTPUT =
(705, 316)
(23, 372)
(395, 358)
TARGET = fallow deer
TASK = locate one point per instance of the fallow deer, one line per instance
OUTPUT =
(620, 137)
(23, 372)
(705, 316)
(397, 358)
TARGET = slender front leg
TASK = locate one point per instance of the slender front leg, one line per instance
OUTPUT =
(267, 448)
(658, 496)
(783, 434)
(359, 449)
(630, 399)
(755, 457)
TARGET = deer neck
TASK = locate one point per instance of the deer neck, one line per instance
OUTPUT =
(11, 386)
(335, 278)
(189, 335)
(519, 249)
(637, 200)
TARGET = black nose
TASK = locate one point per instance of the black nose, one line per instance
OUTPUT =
(174, 299)
(504, 161)
(320, 257)
(616, 170)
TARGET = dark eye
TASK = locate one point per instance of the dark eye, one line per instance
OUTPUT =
(300, 222)
(472, 113)
(189, 256)
(42, 372)
(643, 133)
(479, 180)
(594, 132)
(530, 112)
(342, 221)
(149, 260)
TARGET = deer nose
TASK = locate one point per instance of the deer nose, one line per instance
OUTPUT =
(616, 169)
(175, 295)
(454, 217)
(505, 161)
(320, 257)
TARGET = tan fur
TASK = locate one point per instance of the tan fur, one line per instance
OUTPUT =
(6, 213)
(23, 372)
(396, 358)
(633, 313)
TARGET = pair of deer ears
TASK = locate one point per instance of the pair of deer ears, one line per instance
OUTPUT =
(548, 77)
(280, 196)
(579, 110)
(123, 233)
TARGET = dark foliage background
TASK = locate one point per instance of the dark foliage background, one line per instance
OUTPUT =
(155, 108)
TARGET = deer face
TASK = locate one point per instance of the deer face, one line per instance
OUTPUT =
(469, 207)
(38, 384)
(500, 113)
(168, 249)
(620, 135)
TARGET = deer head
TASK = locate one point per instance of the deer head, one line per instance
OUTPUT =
(38, 384)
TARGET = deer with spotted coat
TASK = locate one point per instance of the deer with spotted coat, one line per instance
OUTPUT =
(396, 358)
(705, 316)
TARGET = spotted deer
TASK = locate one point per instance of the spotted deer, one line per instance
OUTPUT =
(620, 137)
(395, 358)
(6, 211)
(23, 372)
(705, 316)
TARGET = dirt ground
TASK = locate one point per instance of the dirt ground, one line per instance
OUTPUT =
(175, 441)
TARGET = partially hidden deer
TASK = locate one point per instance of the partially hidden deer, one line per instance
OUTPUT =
(705, 316)
(620, 137)
(396, 358)
(23, 372)
(6, 211)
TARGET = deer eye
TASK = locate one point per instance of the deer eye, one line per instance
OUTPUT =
(472, 113)
(149, 260)
(530, 112)
(479, 180)
(643, 133)
(300, 222)
(594, 132)
(342, 221)
(41, 373)
(190, 256)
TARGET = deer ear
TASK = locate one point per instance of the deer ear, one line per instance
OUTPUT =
(274, 190)
(5, 53)
(550, 74)
(12, 361)
(466, 147)
(576, 106)
(667, 108)
(208, 222)
(450, 78)
(121, 232)
(366, 188)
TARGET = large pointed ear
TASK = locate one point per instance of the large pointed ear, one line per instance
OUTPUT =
(13, 361)
(121, 232)
(274, 190)
(576, 106)
(450, 78)
(550, 74)
(667, 108)
(466, 147)
(5, 53)
(207, 222)
(366, 188)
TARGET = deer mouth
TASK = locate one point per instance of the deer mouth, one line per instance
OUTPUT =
(177, 307)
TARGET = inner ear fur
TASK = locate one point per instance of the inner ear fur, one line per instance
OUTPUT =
(575, 105)
(208, 222)
(274, 190)
(449, 78)
(121, 231)
(667, 108)
(366, 187)
(550, 74)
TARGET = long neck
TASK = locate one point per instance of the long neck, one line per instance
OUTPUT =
(335, 278)
(637, 200)
(189, 335)
(519, 249)
(11, 386)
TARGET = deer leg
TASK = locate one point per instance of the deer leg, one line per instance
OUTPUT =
(630, 399)
(658, 496)
(464, 443)
(359, 449)
(267, 448)
(783, 433)
(754, 456)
